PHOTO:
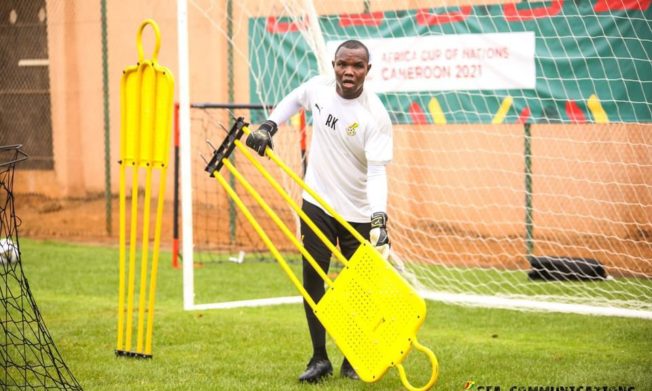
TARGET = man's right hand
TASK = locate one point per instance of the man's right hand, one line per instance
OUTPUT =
(261, 138)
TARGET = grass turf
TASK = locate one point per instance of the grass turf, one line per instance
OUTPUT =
(266, 348)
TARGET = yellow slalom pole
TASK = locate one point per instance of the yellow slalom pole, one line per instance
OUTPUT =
(164, 98)
(437, 113)
(144, 260)
(129, 119)
(132, 256)
(146, 138)
(277, 221)
(598, 112)
(122, 259)
(268, 242)
(155, 256)
(279, 189)
(123, 220)
(502, 111)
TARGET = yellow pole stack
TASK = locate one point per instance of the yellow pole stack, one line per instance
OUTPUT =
(146, 101)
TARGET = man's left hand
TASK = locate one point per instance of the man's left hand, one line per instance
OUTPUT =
(378, 235)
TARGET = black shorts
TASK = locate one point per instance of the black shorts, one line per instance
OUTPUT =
(334, 232)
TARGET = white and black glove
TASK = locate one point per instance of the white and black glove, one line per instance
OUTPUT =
(378, 235)
(261, 138)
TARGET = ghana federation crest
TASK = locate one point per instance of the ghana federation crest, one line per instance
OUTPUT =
(352, 129)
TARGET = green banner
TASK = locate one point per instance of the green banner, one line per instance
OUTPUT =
(592, 60)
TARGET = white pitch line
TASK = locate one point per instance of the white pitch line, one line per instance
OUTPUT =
(249, 303)
(34, 62)
(462, 299)
(533, 305)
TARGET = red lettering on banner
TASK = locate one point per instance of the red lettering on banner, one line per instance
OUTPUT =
(515, 15)
(417, 72)
(275, 27)
(405, 55)
(370, 19)
(621, 5)
(424, 17)
(486, 53)
(574, 113)
(429, 55)
(417, 114)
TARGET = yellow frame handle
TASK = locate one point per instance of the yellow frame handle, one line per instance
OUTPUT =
(139, 40)
(433, 376)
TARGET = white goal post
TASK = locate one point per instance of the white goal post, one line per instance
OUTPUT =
(521, 131)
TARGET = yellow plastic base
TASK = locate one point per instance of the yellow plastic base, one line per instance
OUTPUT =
(372, 314)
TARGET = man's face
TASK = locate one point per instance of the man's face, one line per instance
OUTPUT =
(351, 67)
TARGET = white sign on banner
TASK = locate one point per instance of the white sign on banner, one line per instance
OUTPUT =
(451, 62)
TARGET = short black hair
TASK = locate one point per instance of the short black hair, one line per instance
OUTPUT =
(353, 44)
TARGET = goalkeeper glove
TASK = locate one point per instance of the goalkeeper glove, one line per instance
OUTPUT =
(378, 234)
(261, 138)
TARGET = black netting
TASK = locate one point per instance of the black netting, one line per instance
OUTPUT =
(28, 356)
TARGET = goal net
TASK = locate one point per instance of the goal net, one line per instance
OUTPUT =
(29, 358)
(522, 171)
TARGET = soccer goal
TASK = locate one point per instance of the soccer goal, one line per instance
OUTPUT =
(522, 175)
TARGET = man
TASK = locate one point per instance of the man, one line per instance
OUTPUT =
(350, 147)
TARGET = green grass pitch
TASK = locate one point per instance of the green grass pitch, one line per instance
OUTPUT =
(266, 348)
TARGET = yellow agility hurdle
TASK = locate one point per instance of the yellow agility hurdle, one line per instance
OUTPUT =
(146, 98)
(369, 310)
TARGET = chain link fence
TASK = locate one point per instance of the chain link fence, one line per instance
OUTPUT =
(25, 110)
